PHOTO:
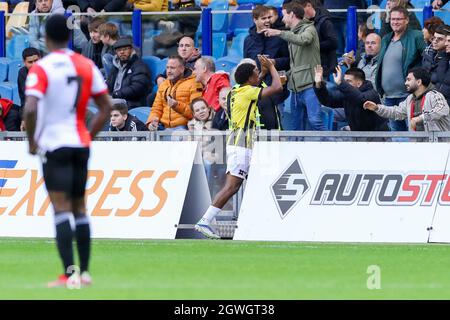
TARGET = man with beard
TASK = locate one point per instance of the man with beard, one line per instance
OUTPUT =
(425, 109)
(130, 78)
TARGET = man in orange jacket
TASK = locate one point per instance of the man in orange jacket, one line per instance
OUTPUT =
(171, 107)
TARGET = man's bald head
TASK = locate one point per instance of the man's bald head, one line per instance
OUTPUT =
(186, 47)
(372, 44)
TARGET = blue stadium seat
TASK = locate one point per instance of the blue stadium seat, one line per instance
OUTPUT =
(16, 96)
(152, 62)
(162, 66)
(6, 90)
(219, 20)
(16, 45)
(327, 117)
(241, 20)
(226, 64)
(141, 113)
(239, 2)
(237, 46)
(219, 45)
(275, 3)
(13, 71)
(4, 65)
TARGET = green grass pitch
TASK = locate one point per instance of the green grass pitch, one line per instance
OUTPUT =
(202, 269)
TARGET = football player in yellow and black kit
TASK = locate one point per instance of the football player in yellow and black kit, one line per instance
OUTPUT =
(242, 108)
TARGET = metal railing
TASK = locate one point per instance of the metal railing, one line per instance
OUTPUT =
(207, 26)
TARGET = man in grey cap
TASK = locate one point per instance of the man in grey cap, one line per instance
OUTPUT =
(130, 77)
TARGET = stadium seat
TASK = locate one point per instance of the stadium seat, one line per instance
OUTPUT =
(241, 20)
(327, 117)
(13, 71)
(219, 45)
(152, 62)
(4, 66)
(6, 90)
(239, 2)
(141, 113)
(219, 20)
(237, 46)
(16, 45)
(419, 4)
(162, 66)
(274, 3)
(226, 64)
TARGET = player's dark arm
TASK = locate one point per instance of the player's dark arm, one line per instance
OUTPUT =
(30, 117)
(276, 85)
(103, 103)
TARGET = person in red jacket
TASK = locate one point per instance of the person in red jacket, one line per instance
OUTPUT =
(212, 81)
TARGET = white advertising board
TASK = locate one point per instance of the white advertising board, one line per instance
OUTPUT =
(134, 190)
(349, 192)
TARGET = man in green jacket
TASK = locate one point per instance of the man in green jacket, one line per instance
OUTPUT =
(400, 51)
(304, 53)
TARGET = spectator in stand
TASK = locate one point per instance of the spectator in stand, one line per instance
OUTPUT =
(220, 121)
(109, 35)
(129, 78)
(121, 120)
(386, 16)
(171, 109)
(10, 116)
(369, 59)
(327, 35)
(275, 19)
(437, 4)
(37, 23)
(189, 53)
(202, 114)
(202, 121)
(401, 50)
(276, 49)
(30, 56)
(425, 109)
(443, 72)
(212, 81)
(187, 24)
(93, 48)
(303, 42)
(351, 95)
(428, 30)
(150, 5)
(94, 6)
(439, 46)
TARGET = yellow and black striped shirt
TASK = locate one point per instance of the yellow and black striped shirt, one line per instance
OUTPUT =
(242, 112)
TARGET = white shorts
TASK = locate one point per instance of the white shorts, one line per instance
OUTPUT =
(238, 161)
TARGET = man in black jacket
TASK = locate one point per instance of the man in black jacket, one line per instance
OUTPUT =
(327, 34)
(130, 78)
(442, 78)
(121, 120)
(93, 6)
(30, 56)
(351, 95)
(277, 50)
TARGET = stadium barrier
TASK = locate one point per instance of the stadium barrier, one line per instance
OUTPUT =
(139, 190)
(328, 149)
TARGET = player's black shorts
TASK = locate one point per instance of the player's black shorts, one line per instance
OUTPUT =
(65, 170)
